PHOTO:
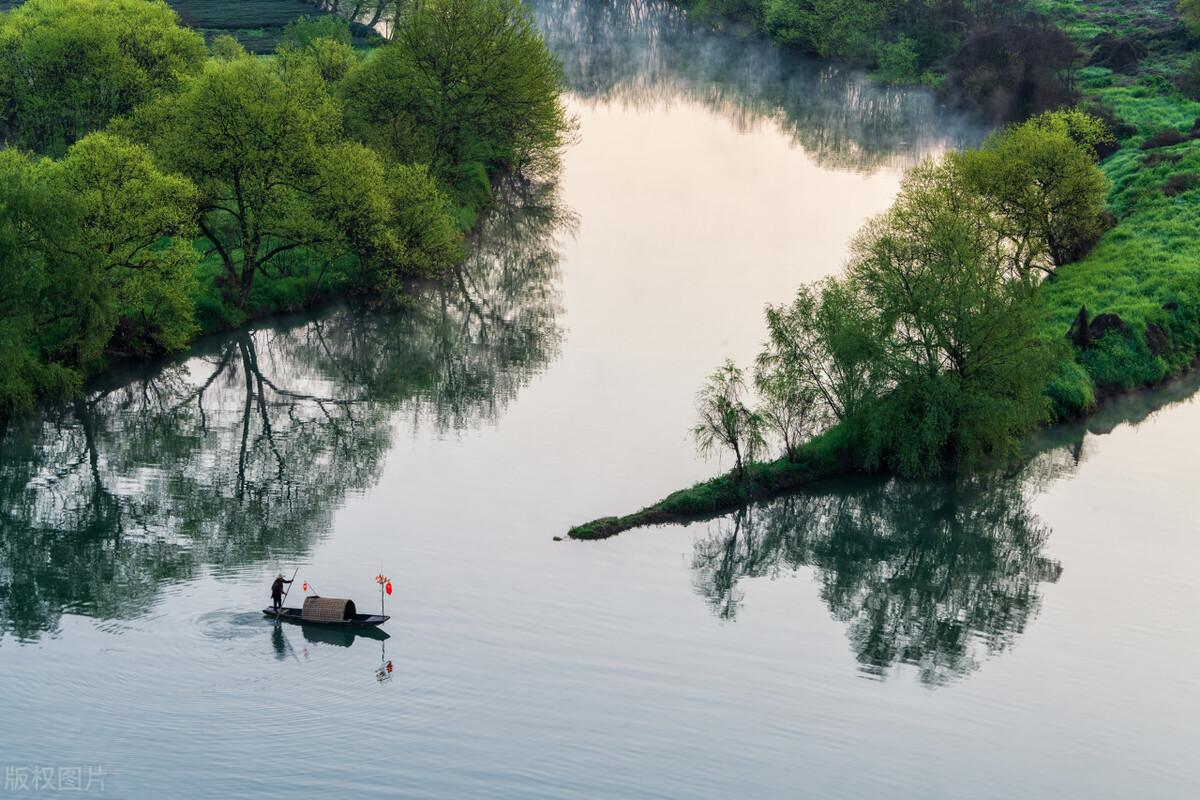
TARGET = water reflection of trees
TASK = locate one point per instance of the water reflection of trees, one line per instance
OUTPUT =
(241, 452)
(935, 575)
(645, 52)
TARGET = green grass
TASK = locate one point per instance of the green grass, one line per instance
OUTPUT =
(1146, 269)
(288, 285)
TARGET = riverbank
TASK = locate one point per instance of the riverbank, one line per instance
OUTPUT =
(225, 186)
(831, 456)
(827, 456)
(1144, 270)
(1130, 308)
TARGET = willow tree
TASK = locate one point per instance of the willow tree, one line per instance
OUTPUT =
(958, 338)
(825, 343)
(725, 420)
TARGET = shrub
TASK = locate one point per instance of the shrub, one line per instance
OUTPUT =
(1165, 138)
(1070, 390)
(1122, 360)
(1178, 184)
(1012, 69)
(1187, 79)
(67, 68)
(1118, 53)
(1189, 15)
(898, 62)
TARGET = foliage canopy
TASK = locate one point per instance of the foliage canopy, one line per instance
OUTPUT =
(1040, 184)
(467, 87)
(69, 66)
(963, 364)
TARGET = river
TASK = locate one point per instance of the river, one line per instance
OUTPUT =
(1027, 635)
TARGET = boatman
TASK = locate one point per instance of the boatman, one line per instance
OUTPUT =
(277, 592)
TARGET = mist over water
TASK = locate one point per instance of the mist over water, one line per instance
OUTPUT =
(1027, 633)
(647, 54)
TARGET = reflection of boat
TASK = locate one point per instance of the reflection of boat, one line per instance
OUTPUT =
(341, 636)
(331, 611)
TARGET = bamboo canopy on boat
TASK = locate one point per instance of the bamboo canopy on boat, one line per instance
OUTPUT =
(327, 609)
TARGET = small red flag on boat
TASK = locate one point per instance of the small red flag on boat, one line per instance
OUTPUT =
(388, 587)
(306, 586)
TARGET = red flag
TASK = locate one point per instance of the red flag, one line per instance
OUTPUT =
(388, 587)
(306, 586)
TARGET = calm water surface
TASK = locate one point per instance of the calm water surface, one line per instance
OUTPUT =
(1023, 635)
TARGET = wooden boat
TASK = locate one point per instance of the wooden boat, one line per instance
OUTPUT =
(334, 611)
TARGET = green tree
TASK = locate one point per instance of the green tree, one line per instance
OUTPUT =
(97, 256)
(322, 43)
(829, 28)
(1189, 15)
(725, 421)
(226, 48)
(331, 59)
(898, 61)
(26, 292)
(273, 174)
(131, 228)
(964, 366)
(396, 222)
(827, 342)
(1041, 187)
(466, 86)
(69, 66)
(422, 218)
(790, 408)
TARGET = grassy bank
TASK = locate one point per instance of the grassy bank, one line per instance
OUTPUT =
(1146, 268)
(826, 456)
